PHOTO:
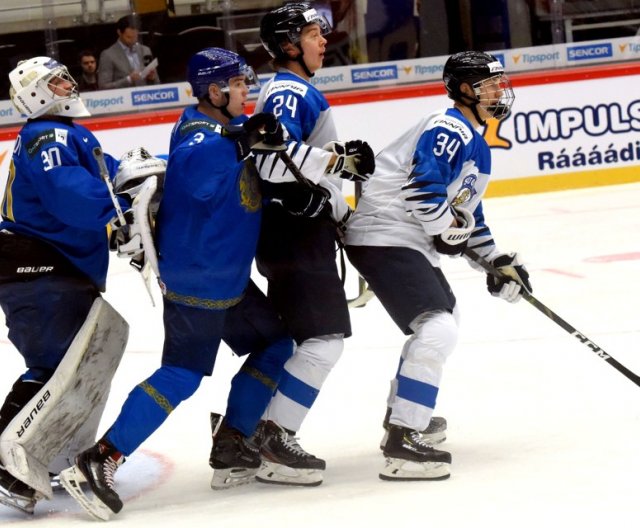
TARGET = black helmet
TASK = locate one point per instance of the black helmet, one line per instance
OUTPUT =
(477, 69)
(285, 25)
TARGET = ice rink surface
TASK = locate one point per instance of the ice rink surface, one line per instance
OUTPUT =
(542, 431)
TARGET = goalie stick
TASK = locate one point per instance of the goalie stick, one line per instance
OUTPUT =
(144, 271)
(598, 351)
(364, 293)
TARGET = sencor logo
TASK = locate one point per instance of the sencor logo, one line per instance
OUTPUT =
(381, 73)
(594, 51)
(155, 96)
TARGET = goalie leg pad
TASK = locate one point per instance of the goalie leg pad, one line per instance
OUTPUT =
(80, 383)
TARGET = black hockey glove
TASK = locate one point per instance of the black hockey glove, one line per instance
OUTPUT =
(514, 277)
(454, 240)
(354, 160)
(300, 200)
(261, 132)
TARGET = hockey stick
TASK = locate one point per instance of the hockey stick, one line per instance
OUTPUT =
(598, 351)
(364, 293)
(145, 271)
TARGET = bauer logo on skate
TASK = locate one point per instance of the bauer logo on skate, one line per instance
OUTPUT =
(155, 96)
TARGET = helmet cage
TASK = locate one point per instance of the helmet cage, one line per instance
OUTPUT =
(33, 89)
(289, 29)
(495, 95)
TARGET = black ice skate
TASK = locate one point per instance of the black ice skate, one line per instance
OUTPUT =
(234, 459)
(284, 461)
(408, 457)
(434, 434)
(97, 467)
(15, 493)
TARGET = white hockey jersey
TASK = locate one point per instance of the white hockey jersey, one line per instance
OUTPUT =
(440, 162)
(306, 115)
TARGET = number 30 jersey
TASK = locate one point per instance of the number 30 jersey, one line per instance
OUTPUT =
(440, 163)
(54, 192)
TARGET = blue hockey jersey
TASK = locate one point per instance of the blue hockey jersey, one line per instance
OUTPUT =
(55, 193)
(209, 218)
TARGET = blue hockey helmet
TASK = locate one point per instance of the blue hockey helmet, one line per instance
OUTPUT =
(217, 66)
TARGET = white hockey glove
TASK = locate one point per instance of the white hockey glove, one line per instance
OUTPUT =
(454, 240)
(125, 239)
(354, 160)
(514, 277)
(135, 167)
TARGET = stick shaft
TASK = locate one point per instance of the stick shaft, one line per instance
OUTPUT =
(598, 351)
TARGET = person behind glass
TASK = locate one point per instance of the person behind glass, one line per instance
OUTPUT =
(297, 248)
(425, 200)
(121, 63)
(88, 80)
(54, 256)
(206, 235)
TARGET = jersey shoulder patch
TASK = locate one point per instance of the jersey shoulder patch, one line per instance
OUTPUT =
(43, 138)
(454, 125)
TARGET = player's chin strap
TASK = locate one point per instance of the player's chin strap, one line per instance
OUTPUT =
(300, 60)
(472, 103)
(222, 108)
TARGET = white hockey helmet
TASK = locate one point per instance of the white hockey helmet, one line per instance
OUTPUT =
(33, 89)
(135, 167)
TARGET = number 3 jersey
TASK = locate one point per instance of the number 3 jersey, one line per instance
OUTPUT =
(439, 163)
(55, 193)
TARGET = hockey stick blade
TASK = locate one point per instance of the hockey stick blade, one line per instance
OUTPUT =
(598, 351)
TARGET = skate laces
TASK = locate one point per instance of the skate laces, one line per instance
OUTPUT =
(416, 438)
(290, 443)
(109, 468)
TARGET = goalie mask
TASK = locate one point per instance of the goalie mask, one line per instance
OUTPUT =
(42, 86)
(485, 75)
(135, 167)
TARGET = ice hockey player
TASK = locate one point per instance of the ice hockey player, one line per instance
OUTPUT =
(297, 249)
(424, 200)
(54, 255)
(206, 234)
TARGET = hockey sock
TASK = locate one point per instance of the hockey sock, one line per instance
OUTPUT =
(149, 404)
(253, 386)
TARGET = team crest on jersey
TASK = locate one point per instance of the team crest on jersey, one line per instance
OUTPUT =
(250, 195)
(466, 192)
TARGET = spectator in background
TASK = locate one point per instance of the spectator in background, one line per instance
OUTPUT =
(88, 79)
(122, 63)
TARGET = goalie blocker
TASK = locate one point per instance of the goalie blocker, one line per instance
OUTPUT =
(58, 411)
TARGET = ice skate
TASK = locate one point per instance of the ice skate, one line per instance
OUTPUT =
(234, 459)
(96, 467)
(16, 494)
(285, 462)
(434, 434)
(408, 457)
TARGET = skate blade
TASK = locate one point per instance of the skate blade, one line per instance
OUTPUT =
(272, 473)
(75, 483)
(399, 469)
(230, 478)
(17, 502)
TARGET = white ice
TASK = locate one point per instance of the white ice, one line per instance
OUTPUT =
(542, 431)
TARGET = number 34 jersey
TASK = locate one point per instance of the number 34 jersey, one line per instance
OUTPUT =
(440, 162)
